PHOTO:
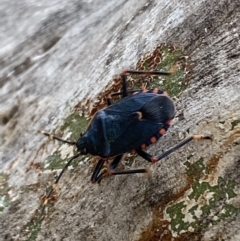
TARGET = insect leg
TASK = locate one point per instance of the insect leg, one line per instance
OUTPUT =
(115, 163)
(109, 101)
(105, 172)
(144, 72)
(128, 92)
(125, 73)
(124, 85)
(99, 174)
(133, 171)
(97, 170)
(182, 143)
(145, 155)
(152, 159)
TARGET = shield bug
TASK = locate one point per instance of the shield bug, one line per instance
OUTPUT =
(136, 121)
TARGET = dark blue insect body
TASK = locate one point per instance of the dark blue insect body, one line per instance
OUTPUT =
(128, 124)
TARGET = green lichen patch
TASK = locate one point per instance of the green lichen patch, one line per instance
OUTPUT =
(75, 124)
(4, 188)
(163, 58)
(54, 161)
(177, 216)
(166, 58)
(196, 170)
(204, 199)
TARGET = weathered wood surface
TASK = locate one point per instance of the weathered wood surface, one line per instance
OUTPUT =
(54, 54)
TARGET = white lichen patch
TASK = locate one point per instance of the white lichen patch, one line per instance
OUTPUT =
(3, 201)
(198, 213)
(68, 135)
(191, 229)
(46, 165)
(211, 179)
(66, 151)
(223, 211)
(188, 217)
(206, 196)
(190, 203)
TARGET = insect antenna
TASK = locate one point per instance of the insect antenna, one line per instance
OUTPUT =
(57, 180)
(57, 138)
(81, 151)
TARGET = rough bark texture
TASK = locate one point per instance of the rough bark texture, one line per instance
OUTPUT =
(56, 53)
